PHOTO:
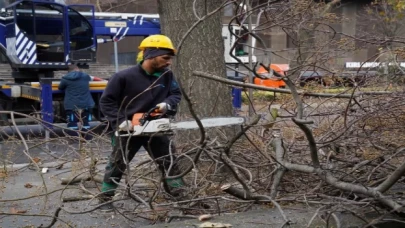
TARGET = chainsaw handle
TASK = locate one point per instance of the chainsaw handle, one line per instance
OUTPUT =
(152, 110)
(148, 115)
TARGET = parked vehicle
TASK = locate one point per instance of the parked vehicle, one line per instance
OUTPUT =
(273, 81)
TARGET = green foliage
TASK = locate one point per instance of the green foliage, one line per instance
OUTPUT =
(398, 5)
(389, 11)
(258, 96)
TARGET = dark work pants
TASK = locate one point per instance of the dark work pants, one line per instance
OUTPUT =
(74, 117)
(156, 146)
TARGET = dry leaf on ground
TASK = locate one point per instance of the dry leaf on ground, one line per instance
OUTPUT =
(215, 225)
(17, 211)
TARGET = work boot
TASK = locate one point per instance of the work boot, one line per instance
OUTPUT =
(108, 191)
(107, 204)
(175, 187)
(108, 188)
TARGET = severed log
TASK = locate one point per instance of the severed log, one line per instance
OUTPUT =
(300, 92)
(78, 179)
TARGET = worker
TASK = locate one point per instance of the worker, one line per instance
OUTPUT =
(138, 89)
(78, 101)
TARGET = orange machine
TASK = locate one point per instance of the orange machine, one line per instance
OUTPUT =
(274, 82)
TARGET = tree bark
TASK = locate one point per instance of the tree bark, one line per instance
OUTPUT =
(202, 50)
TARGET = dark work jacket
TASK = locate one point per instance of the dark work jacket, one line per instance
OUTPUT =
(77, 91)
(128, 89)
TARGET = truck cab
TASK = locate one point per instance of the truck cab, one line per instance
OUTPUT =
(241, 49)
(45, 36)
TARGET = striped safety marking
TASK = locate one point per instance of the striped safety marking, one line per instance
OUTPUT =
(26, 50)
(140, 19)
(119, 36)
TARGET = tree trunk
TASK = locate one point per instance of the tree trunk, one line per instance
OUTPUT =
(203, 50)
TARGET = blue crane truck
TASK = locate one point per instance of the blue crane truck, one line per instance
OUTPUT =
(40, 37)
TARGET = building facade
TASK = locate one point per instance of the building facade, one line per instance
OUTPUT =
(350, 21)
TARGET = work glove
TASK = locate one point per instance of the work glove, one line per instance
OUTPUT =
(125, 126)
(163, 107)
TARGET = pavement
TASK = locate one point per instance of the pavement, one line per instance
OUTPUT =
(23, 186)
(26, 182)
(23, 202)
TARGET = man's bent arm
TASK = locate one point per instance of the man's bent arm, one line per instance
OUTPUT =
(174, 96)
(62, 85)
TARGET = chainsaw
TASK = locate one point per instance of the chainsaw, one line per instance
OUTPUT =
(153, 122)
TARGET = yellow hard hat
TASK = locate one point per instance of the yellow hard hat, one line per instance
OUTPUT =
(139, 57)
(157, 41)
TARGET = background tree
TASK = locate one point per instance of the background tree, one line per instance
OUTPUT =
(202, 48)
(383, 25)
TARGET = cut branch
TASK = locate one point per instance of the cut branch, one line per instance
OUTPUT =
(78, 179)
(311, 141)
(239, 193)
(264, 88)
(55, 218)
(349, 187)
(77, 198)
(392, 179)
(279, 149)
